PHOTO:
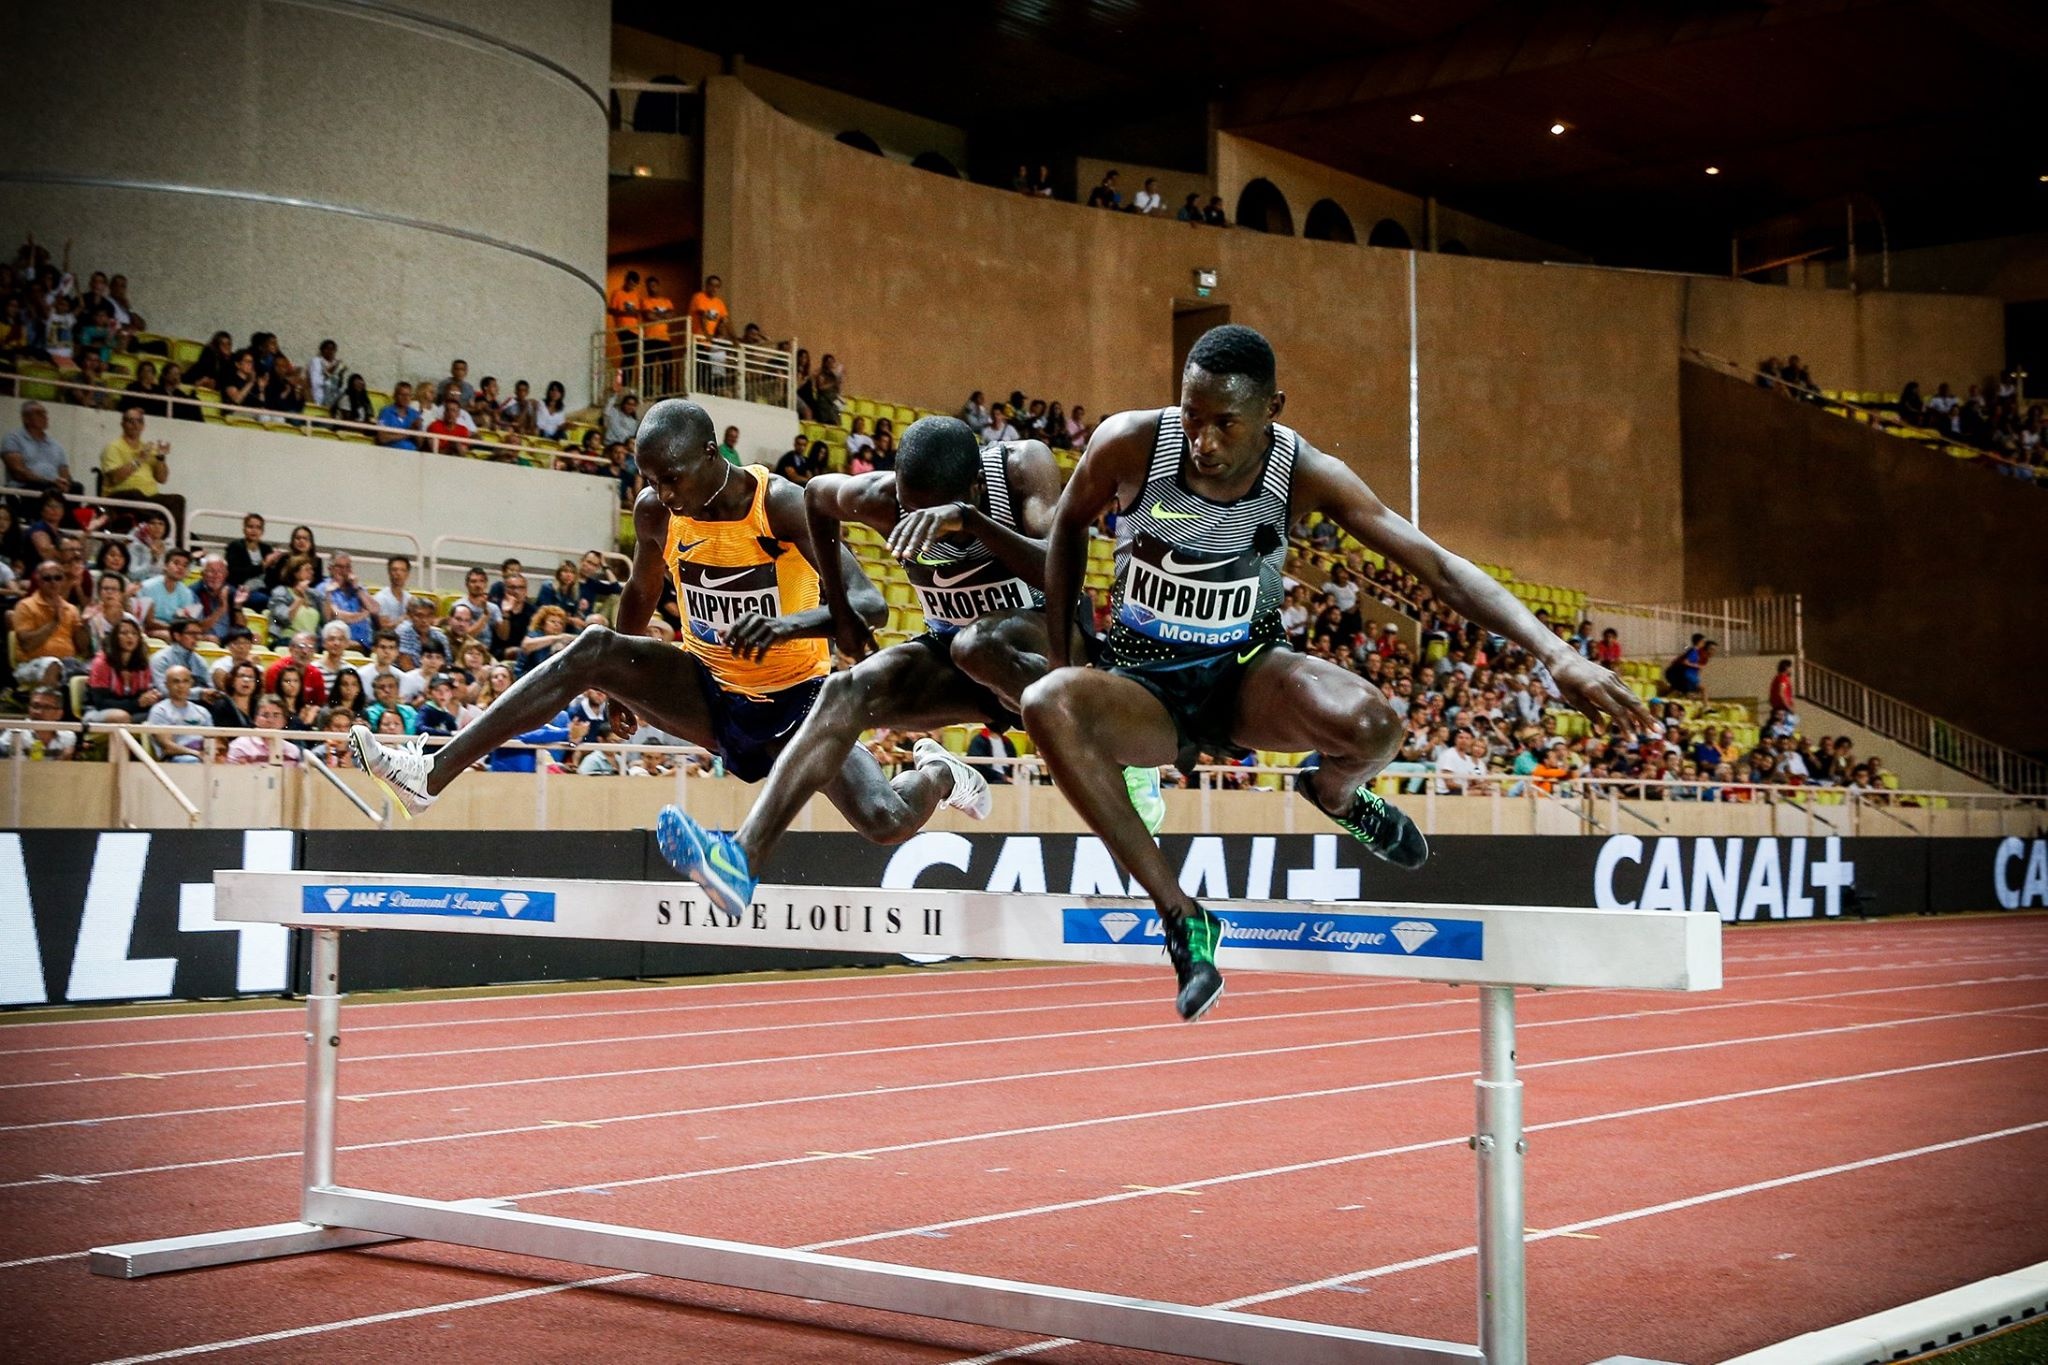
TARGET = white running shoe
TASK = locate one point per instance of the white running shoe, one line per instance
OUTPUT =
(970, 789)
(402, 769)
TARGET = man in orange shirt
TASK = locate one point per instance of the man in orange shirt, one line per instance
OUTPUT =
(48, 631)
(624, 308)
(656, 308)
(708, 315)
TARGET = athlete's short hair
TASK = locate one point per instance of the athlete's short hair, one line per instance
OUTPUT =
(938, 456)
(673, 427)
(1234, 349)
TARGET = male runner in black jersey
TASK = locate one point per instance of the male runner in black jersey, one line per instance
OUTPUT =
(1196, 655)
(969, 524)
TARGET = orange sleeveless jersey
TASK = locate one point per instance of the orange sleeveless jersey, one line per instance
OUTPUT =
(725, 569)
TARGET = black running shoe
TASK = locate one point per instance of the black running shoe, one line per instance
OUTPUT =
(1386, 832)
(1191, 946)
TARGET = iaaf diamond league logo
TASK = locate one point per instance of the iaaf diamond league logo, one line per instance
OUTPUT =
(466, 902)
(1295, 931)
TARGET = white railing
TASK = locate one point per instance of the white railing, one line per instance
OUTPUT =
(684, 364)
(410, 546)
(1762, 624)
(503, 447)
(440, 561)
(1499, 803)
(2004, 768)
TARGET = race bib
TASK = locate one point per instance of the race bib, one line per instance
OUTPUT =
(1189, 597)
(715, 598)
(956, 595)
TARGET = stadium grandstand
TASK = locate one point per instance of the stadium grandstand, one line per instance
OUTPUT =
(1644, 445)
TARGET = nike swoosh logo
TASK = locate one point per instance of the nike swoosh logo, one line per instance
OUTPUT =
(723, 863)
(1172, 565)
(1159, 510)
(688, 545)
(1247, 658)
(710, 582)
(940, 580)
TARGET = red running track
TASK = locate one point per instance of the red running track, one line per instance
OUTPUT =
(1858, 1120)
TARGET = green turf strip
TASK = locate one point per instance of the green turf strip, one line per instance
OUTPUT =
(2025, 1344)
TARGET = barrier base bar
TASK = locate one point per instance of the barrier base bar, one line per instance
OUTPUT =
(1493, 947)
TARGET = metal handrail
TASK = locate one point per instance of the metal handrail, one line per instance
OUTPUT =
(309, 758)
(137, 751)
(1920, 730)
(315, 523)
(301, 423)
(753, 369)
(432, 564)
(129, 504)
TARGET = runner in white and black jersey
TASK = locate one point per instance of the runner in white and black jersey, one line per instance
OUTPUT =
(1196, 657)
(969, 526)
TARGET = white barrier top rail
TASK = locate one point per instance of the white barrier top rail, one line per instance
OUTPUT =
(1471, 944)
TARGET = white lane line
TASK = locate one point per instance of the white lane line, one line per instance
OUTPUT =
(1443, 1003)
(492, 1021)
(372, 1319)
(43, 1260)
(842, 1023)
(1608, 1220)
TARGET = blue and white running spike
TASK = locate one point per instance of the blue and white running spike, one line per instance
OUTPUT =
(713, 861)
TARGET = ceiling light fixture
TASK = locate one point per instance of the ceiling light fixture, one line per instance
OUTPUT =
(1417, 118)
(1556, 129)
(642, 171)
(1713, 170)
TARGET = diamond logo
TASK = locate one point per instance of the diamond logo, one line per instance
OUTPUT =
(1413, 933)
(335, 896)
(515, 901)
(1119, 923)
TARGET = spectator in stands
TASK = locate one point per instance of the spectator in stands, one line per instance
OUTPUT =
(1940, 410)
(486, 411)
(144, 392)
(217, 601)
(999, 426)
(1213, 213)
(1781, 698)
(171, 389)
(1607, 650)
(708, 312)
(439, 713)
(517, 614)
(729, 446)
(90, 389)
(823, 390)
(250, 558)
(326, 375)
(1911, 407)
(390, 601)
(1190, 209)
(657, 310)
(398, 420)
(131, 467)
(858, 441)
(265, 748)
(300, 710)
(108, 609)
(215, 365)
(1079, 428)
(241, 647)
(552, 414)
(297, 605)
(419, 633)
(383, 661)
(995, 745)
(1458, 770)
(623, 307)
(176, 707)
(1147, 200)
(520, 413)
(165, 598)
(335, 641)
(46, 707)
(34, 458)
(594, 585)
(385, 700)
(181, 653)
(119, 686)
(795, 464)
(547, 635)
(1105, 195)
(242, 386)
(975, 413)
(1795, 378)
(457, 383)
(476, 586)
(445, 432)
(884, 455)
(1682, 674)
(145, 546)
(562, 592)
(622, 418)
(353, 403)
(347, 604)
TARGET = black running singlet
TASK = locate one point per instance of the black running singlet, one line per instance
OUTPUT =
(959, 584)
(1194, 578)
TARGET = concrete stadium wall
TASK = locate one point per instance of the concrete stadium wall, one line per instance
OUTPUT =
(1549, 394)
(1922, 576)
(419, 180)
(292, 479)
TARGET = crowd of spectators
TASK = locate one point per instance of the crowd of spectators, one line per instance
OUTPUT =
(1991, 415)
(1108, 194)
(1027, 419)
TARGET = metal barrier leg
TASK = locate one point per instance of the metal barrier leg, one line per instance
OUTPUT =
(1503, 1324)
(323, 1058)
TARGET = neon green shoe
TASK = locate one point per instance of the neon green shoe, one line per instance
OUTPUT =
(1146, 797)
(1191, 947)
(1384, 828)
